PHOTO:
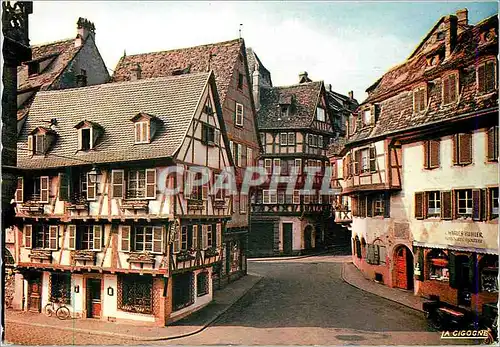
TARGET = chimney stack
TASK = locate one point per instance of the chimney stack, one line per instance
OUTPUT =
(135, 73)
(303, 77)
(84, 29)
(450, 24)
(463, 20)
(351, 95)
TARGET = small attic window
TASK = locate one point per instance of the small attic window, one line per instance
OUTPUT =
(440, 36)
(320, 114)
(40, 140)
(142, 132)
(85, 139)
(88, 133)
(33, 68)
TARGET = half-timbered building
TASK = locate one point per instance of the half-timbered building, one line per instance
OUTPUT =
(228, 60)
(421, 168)
(111, 220)
(296, 124)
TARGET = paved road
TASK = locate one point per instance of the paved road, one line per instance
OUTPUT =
(301, 301)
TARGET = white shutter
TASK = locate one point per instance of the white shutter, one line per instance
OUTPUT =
(72, 237)
(195, 236)
(19, 190)
(204, 238)
(30, 143)
(80, 139)
(53, 237)
(44, 189)
(157, 239)
(28, 236)
(217, 137)
(240, 152)
(117, 183)
(150, 183)
(125, 238)
(97, 237)
(91, 189)
(177, 240)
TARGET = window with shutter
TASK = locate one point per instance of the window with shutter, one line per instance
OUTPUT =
(53, 237)
(373, 159)
(249, 157)
(176, 240)
(125, 238)
(446, 205)
(118, 183)
(195, 237)
(492, 144)
(239, 114)
(217, 137)
(419, 205)
(204, 237)
(157, 239)
(419, 100)
(371, 201)
(492, 203)
(431, 154)
(72, 237)
(219, 234)
(150, 183)
(44, 189)
(28, 236)
(97, 237)
(63, 187)
(355, 164)
(464, 148)
(476, 204)
(486, 77)
(91, 188)
(450, 89)
(19, 196)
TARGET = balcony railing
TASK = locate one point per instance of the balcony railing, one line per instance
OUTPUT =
(77, 202)
(194, 204)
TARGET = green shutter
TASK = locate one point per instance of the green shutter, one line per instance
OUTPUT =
(473, 274)
(452, 269)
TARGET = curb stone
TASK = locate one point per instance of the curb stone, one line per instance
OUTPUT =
(365, 290)
(138, 338)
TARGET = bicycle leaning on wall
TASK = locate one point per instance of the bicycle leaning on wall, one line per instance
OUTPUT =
(58, 306)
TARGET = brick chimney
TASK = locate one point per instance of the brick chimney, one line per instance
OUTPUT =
(135, 73)
(351, 95)
(84, 29)
(450, 28)
(463, 20)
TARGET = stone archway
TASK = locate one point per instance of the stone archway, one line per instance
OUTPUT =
(308, 231)
(403, 267)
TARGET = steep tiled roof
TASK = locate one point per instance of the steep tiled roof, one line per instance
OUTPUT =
(393, 91)
(222, 55)
(304, 98)
(413, 70)
(339, 102)
(60, 53)
(172, 100)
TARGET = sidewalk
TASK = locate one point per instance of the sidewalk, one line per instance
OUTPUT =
(355, 278)
(195, 323)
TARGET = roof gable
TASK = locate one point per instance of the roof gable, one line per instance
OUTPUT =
(173, 100)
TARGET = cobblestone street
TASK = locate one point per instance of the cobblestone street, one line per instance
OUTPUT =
(302, 301)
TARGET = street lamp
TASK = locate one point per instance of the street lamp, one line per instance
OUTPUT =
(94, 175)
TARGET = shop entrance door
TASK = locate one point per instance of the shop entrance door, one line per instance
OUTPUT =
(94, 305)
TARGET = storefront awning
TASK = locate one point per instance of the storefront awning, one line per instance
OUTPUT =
(456, 248)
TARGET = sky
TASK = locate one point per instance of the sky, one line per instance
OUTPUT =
(346, 44)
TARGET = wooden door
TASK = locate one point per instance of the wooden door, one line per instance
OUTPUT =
(35, 293)
(94, 305)
(287, 238)
(401, 270)
(308, 237)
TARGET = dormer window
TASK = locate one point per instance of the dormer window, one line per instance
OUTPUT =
(144, 127)
(320, 114)
(88, 133)
(450, 88)
(486, 77)
(419, 99)
(440, 36)
(33, 68)
(142, 132)
(367, 116)
(40, 140)
(284, 111)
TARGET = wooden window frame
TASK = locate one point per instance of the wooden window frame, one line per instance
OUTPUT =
(495, 70)
(429, 147)
(459, 199)
(141, 125)
(414, 92)
(457, 149)
(80, 138)
(238, 115)
(490, 196)
(492, 137)
(444, 96)
(436, 199)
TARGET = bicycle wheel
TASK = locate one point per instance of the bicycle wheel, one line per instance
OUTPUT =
(48, 310)
(63, 313)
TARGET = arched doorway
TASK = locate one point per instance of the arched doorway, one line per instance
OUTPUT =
(308, 237)
(403, 267)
